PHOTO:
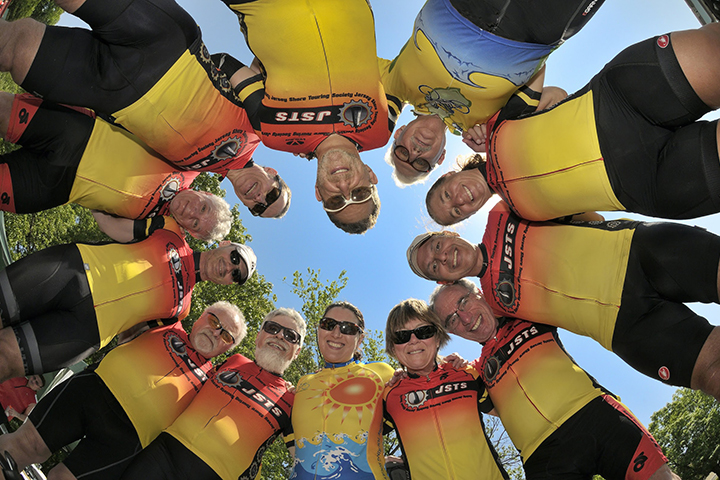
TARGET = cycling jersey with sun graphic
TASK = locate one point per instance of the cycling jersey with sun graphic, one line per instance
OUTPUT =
(337, 423)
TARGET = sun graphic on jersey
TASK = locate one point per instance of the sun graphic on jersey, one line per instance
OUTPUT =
(359, 391)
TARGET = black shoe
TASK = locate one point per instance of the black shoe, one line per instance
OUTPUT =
(706, 11)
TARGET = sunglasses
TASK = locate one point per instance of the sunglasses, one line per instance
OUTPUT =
(270, 198)
(421, 333)
(419, 164)
(346, 328)
(357, 195)
(215, 323)
(288, 333)
(236, 274)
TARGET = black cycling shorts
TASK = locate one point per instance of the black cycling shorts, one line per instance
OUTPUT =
(43, 171)
(548, 22)
(83, 408)
(132, 45)
(47, 300)
(603, 438)
(661, 161)
(168, 459)
(655, 332)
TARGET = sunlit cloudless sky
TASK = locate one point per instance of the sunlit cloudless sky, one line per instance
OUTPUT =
(375, 262)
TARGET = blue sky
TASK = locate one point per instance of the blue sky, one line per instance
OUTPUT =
(375, 262)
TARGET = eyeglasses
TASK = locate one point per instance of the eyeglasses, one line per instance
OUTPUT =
(421, 333)
(270, 198)
(357, 195)
(225, 335)
(236, 274)
(419, 164)
(346, 328)
(288, 333)
(452, 319)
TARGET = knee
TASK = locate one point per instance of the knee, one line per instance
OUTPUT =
(25, 445)
(19, 41)
(11, 364)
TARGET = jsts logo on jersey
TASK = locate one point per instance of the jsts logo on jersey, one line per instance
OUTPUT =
(178, 348)
(232, 379)
(176, 264)
(416, 399)
(505, 288)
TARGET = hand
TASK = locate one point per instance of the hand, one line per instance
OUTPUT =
(551, 96)
(475, 138)
(11, 412)
(455, 360)
(397, 376)
(290, 387)
(393, 459)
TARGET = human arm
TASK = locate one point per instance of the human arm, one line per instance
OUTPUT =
(455, 360)
(11, 412)
(125, 230)
(551, 96)
(476, 138)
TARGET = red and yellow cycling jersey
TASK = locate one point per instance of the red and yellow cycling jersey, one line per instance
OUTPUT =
(236, 416)
(550, 165)
(439, 423)
(154, 378)
(148, 280)
(534, 384)
(191, 118)
(321, 73)
(569, 276)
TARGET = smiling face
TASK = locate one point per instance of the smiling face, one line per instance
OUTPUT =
(460, 195)
(466, 314)
(217, 265)
(334, 346)
(206, 339)
(423, 138)
(446, 258)
(418, 356)
(273, 352)
(253, 184)
(339, 172)
(194, 212)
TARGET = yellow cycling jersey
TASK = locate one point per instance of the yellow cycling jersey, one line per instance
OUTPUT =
(454, 69)
(321, 73)
(132, 283)
(534, 384)
(337, 422)
(154, 378)
(549, 165)
(119, 174)
(569, 276)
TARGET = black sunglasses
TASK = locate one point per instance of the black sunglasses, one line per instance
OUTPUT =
(236, 274)
(270, 198)
(288, 333)
(419, 164)
(357, 195)
(421, 333)
(346, 328)
(225, 335)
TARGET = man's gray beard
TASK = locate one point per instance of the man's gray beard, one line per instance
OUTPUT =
(271, 360)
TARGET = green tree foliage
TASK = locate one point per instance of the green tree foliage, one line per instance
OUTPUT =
(45, 11)
(688, 429)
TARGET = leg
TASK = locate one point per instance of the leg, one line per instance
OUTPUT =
(706, 373)
(19, 43)
(664, 473)
(11, 364)
(61, 472)
(698, 52)
(6, 102)
(25, 445)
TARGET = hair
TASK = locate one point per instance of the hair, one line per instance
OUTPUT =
(358, 314)
(469, 287)
(300, 324)
(408, 310)
(363, 225)
(401, 179)
(467, 162)
(288, 196)
(231, 310)
(223, 219)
